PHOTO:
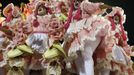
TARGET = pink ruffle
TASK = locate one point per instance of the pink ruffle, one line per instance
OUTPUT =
(89, 8)
(95, 26)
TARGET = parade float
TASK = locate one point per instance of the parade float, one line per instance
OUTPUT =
(64, 37)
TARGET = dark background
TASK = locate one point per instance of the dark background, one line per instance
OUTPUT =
(127, 5)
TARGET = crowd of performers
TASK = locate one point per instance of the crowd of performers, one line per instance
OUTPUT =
(64, 37)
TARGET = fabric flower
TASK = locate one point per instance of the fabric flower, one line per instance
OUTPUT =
(7, 12)
(16, 12)
(56, 29)
(8, 9)
(11, 11)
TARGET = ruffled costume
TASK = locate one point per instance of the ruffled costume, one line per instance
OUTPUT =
(93, 33)
(64, 37)
(113, 53)
(87, 34)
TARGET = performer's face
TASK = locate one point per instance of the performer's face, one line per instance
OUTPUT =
(42, 10)
(116, 19)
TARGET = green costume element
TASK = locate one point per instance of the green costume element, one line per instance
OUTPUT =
(55, 55)
(16, 62)
(55, 51)
(14, 53)
(25, 48)
(19, 50)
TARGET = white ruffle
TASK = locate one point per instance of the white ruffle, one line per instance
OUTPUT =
(38, 41)
(119, 55)
(87, 29)
(76, 26)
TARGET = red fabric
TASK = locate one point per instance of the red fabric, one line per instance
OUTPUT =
(124, 36)
(77, 16)
(112, 23)
(9, 18)
(49, 10)
(66, 25)
(35, 23)
(0, 25)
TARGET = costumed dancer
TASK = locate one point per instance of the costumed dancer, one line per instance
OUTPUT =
(86, 34)
(113, 53)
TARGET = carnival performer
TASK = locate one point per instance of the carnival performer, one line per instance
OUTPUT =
(113, 53)
(86, 34)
